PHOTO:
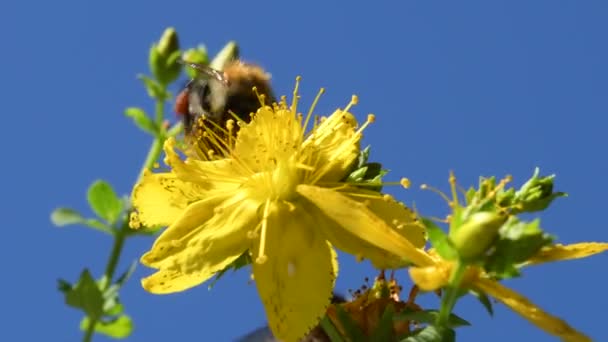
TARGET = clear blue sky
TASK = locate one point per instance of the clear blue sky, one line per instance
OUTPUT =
(479, 87)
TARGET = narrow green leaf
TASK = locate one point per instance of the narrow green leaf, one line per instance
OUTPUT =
(430, 316)
(86, 295)
(115, 310)
(127, 274)
(240, 262)
(440, 240)
(142, 120)
(64, 286)
(104, 201)
(384, 329)
(330, 330)
(484, 300)
(155, 90)
(118, 328)
(96, 224)
(433, 334)
(65, 216)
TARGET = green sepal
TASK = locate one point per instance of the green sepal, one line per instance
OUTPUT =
(518, 241)
(439, 240)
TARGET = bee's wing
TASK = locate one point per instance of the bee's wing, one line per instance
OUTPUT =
(208, 71)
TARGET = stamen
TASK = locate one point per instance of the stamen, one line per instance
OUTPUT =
(452, 180)
(261, 256)
(294, 101)
(371, 118)
(405, 183)
(435, 190)
(353, 101)
(312, 108)
(261, 97)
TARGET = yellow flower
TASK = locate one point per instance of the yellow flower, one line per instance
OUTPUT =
(276, 192)
(432, 277)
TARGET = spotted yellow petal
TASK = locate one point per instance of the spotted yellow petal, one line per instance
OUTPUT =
(161, 197)
(355, 218)
(567, 252)
(295, 282)
(203, 250)
(529, 311)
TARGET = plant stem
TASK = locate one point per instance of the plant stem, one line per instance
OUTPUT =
(122, 233)
(451, 295)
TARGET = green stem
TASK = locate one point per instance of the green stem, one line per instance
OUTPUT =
(451, 295)
(121, 234)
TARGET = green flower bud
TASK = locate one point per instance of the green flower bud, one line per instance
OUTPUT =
(476, 235)
(196, 55)
(164, 57)
(537, 193)
(228, 53)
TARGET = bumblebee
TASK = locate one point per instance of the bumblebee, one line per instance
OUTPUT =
(216, 96)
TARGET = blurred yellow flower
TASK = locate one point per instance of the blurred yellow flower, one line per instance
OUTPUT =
(277, 193)
(435, 276)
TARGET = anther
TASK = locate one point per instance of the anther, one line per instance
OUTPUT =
(405, 183)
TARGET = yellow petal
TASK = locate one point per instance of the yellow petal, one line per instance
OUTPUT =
(190, 259)
(335, 144)
(430, 278)
(295, 282)
(174, 238)
(520, 304)
(160, 198)
(566, 252)
(355, 218)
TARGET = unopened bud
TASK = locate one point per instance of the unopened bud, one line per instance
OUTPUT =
(476, 235)
(164, 57)
(196, 55)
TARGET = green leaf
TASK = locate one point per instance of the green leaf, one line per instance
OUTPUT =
(484, 300)
(86, 295)
(155, 90)
(127, 274)
(331, 331)
(433, 334)
(115, 310)
(518, 241)
(440, 241)
(430, 317)
(66, 216)
(142, 120)
(240, 262)
(353, 332)
(64, 286)
(118, 328)
(384, 329)
(104, 201)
